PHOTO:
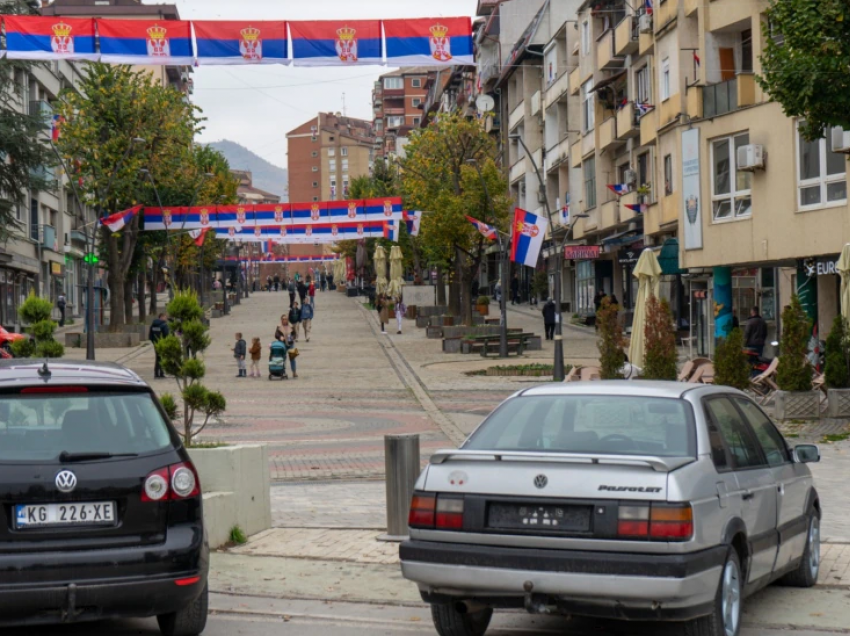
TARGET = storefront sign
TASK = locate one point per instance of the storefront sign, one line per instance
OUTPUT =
(581, 252)
(692, 220)
(820, 267)
(630, 255)
(56, 269)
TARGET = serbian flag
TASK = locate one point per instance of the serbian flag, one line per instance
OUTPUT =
(199, 235)
(345, 211)
(565, 213)
(648, 6)
(697, 61)
(487, 231)
(336, 43)
(49, 38)
(388, 209)
(619, 188)
(158, 43)
(240, 42)
(529, 232)
(272, 214)
(639, 208)
(643, 108)
(391, 230)
(117, 221)
(56, 127)
(310, 213)
(429, 41)
(413, 220)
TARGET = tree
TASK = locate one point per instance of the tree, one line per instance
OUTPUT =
(120, 122)
(794, 373)
(731, 366)
(437, 177)
(837, 371)
(35, 313)
(24, 145)
(806, 62)
(611, 343)
(178, 354)
(660, 339)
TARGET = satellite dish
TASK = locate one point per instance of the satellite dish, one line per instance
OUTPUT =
(485, 103)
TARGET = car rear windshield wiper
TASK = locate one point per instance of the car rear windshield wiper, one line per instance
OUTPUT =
(65, 456)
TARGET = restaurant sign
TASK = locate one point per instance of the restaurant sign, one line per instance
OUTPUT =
(581, 252)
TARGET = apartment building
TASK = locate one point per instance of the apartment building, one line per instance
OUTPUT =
(398, 99)
(248, 193)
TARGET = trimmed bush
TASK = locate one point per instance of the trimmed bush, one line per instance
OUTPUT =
(837, 373)
(731, 366)
(794, 373)
(660, 337)
(611, 343)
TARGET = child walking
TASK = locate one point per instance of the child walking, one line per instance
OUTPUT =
(255, 351)
(400, 311)
(240, 350)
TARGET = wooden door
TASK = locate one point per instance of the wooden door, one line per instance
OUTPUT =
(727, 64)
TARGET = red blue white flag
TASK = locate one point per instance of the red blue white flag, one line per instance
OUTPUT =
(158, 43)
(198, 236)
(413, 219)
(387, 209)
(262, 42)
(648, 6)
(310, 213)
(619, 188)
(116, 222)
(272, 214)
(48, 38)
(392, 230)
(429, 41)
(529, 231)
(638, 208)
(56, 127)
(336, 43)
(345, 211)
(487, 231)
(643, 108)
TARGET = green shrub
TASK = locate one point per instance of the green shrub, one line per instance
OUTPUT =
(35, 309)
(23, 348)
(611, 341)
(731, 366)
(184, 307)
(169, 404)
(42, 330)
(836, 372)
(237, 535)
(794, 373)
(660, 340)
(483, 300)
(49, 349)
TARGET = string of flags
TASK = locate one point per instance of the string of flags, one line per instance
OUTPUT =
(415, 42)
(116, 222)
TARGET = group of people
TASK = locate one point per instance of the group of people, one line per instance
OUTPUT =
(297, 285)
(387, 306)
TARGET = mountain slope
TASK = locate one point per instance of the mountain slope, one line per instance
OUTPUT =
(267, 176)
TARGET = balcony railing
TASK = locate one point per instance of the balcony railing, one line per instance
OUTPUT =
(41, 109)
(605, 55)
(626, 36)
(607, 133)
(628, 123)
(719, 99)
(556, 90)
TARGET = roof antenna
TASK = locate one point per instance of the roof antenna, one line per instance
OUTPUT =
(44, 372)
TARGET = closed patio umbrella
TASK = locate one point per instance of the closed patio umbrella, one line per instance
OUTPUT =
(396, 271)
(380, 270)
(648, 273)
(843, 267)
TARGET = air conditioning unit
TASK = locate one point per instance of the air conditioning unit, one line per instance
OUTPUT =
(630, 176)
(541, 195)
(840, 140)
(751, 157)
(645, 23)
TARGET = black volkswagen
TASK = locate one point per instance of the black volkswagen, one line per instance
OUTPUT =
(101, 506)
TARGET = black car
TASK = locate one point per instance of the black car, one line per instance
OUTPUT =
(101, 505)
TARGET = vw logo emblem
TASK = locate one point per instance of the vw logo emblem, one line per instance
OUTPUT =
(540, 481)
(66, 481)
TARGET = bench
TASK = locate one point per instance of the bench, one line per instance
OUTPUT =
(518, 341)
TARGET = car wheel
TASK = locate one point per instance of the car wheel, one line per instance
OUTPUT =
(725, 619)
(189, 621)
(806, 574)
(450, 622)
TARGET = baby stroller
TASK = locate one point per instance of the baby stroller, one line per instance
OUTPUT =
(277, 361)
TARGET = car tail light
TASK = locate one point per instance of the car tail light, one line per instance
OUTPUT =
(55, 389)
(633, 521)
(672, 522)
(422, 509)
(449, 513)
(172, 483)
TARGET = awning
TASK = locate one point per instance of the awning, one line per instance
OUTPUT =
(668, 258)
(609, 81)
(623, 238)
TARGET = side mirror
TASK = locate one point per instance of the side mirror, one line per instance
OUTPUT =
(806, 454)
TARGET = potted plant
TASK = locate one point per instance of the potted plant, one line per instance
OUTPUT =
(483, 305)
(660, 340)
(795, 398)
(644, 192)
(731, 367)
(837, 370)
(611, 341)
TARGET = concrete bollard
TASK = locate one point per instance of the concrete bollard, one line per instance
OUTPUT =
(401, 457)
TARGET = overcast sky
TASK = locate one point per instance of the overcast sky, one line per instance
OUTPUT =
(256, 105)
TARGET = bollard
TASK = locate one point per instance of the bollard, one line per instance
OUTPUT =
(401, 457)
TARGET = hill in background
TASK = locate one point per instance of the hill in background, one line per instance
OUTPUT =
(267, 176)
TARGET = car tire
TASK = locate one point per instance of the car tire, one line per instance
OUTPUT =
(806, 574)
(189, 621)
(450, 622)
(725, 618)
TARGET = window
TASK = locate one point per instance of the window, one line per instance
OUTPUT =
(343, 151)
(417, 121)
(665, 79)
(730, 189)
(395, 121)
(315, 184)
(739, 441)
(775, 34)
(379, 125)
(330, 138)
(585, 38)
(747, 51)
(345, 165)
(771, 441)
(316, 168)
(333, 165)
(589, 171)
(416, 82)
(718, 450)
(393, 83)
(313, 138)
(822, 174)
(416, 102)
(331, 152)
(644, 174)
(668, 175)
(644, 94)
(315, 198)
(315, 153)
(588, 105)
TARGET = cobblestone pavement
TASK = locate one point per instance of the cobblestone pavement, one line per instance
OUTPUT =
(339, 504)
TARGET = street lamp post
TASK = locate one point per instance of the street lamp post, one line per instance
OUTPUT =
(503, 307)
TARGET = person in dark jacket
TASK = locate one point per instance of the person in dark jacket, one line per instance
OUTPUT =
(755, 332)
(61, 303)
(276, 282)
(549, 318)
(292, 289)
(515, 290)
(302, 290)
(240, 350)
(295, 319)
(158, 331)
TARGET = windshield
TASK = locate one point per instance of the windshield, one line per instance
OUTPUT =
(41, 426)
(612, 425)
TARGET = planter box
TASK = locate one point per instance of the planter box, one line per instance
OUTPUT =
(411, 312)
(423, 321)
(838, 403)
(451, 345)
(142, 330)
(103, 340)
(797, 405)
(484, 310)
(216, 313)
(434, 333)
(431, 310)
(351, 292)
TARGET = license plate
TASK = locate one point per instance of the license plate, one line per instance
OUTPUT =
(537, 517)
(65, 514)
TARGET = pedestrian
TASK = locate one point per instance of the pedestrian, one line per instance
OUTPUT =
(614, 301)
(302, 290)
(60, 303)
(755, 332)
(255, 351)
(382, 307)
(497, 292)
(269, 283)
(549, 318)
(311, 292)
(400, 311)
(217, 284)
(240, 350)
(330, 282)
(323, 281)
(597, 300)
(307, 320)
(735, 323)
(476, 287)
(283, 334)
(158, 331)
(515, 290)
(295, 319)
(291, 287)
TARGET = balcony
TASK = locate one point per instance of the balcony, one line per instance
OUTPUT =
(665, 12)
(537, 159)
(41, 109)
(518, 170)
(558, 154)
(516, 116)
(626, 36)
(691, 6)
(608, 216)
(669, 109)
(627, 214)
(649, 127)
(646, 41)
(722, 98)
(389, 93)
(576, 154)
(575, 80)
(394, 111)
(605, 56)
(608, 133)
(628, 124)
(557, 90)
(694, 102)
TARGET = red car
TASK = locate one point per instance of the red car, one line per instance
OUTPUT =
(7, 338)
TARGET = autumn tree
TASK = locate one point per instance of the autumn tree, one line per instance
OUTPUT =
(437, 176)
(660, 341)
(120, 122)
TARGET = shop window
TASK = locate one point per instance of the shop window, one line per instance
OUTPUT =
(589, 171)
(730, 188)
(821, 174)
(585, 287)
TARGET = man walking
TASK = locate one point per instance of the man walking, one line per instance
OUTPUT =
(307, 320)
(549, 318)
(515, 290)
(302, 290)
(291, 287)
(276, 282)
(60, 303)
(158, 331)
(755, 332)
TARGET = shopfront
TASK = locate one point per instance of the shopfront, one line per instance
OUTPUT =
(587, 278)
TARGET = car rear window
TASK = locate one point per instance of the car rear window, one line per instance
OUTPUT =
(613, 425)
(41, 426)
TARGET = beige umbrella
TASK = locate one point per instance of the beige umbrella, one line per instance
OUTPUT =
(648, 273)
(381, 270)
(396, 271)
(339, 271)
(843, 267)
